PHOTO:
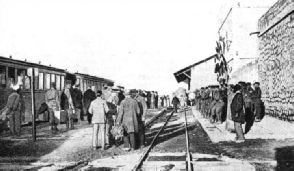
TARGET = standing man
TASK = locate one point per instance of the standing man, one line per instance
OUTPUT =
(202, 106)
(249, 115)
(218, 105)
(98, 108)
(89, 96)
(53, 103)
(238, 115)
(120, 95)
(152, 106)
(168, 100)
(13, 109)
(67, 105)
(110, 101)
(141, 117)
(256, 102)
(77, 97)
(127, 117)
(156, 99)
(149, 99)
(175, 102)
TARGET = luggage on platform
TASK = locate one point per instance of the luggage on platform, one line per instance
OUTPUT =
(63, 116)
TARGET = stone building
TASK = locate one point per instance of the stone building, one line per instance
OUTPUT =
(238, 31)
(276, 58)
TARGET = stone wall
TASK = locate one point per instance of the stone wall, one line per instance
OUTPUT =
(276, 59)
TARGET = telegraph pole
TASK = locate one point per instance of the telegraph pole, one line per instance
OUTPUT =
(33, 103)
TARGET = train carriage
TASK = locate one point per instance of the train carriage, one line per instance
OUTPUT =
(86, 80)
(16, 71)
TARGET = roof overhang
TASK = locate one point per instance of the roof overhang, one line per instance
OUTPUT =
(184, 75)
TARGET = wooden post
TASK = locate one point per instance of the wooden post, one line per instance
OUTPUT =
(33, 104)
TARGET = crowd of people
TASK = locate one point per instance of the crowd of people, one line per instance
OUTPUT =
(106, 110)
(240, 103)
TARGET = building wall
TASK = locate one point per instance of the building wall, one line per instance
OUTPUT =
(247, 73)
(276, 61)
(236, 29)
(203, 75)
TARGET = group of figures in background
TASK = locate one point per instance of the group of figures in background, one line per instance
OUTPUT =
(236, 104)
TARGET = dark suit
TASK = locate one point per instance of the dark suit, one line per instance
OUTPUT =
(89, 96)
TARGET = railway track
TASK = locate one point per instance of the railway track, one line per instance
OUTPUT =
(189, 166)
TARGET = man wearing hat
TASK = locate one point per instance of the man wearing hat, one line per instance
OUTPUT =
(89, 96)
(249, 116)
(237, 112)
(141, 117)
(13, 110)
(256, 102)
(127, 117)
(53, 102)
(77, 98)
(98, 108)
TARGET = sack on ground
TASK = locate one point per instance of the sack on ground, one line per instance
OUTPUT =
(117, 131)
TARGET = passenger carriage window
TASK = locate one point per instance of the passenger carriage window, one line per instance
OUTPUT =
(3, 76)
(62, 82)
(53, 78)
(41, 81)
(27, 83)
(21, 77)
(47, 81)
(58, 82)
(11, 76)
(77, 81)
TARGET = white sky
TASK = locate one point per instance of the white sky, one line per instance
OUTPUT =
(138, 44)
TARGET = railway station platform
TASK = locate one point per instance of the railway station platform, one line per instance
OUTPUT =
(268, 128)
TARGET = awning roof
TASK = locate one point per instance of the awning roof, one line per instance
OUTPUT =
(184, 75)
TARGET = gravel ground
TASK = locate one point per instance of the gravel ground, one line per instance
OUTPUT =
(75, 145)
(64, 146)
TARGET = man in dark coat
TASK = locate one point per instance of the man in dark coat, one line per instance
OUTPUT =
(127, 117)
(77, 97)
(89, 96)
(249, 116)
(13, 110)
(121, 96)
(156, 100)
(256, 102)
(238, 115)
(175, 102)
(67, 105)
(148, 99)
(141, 117)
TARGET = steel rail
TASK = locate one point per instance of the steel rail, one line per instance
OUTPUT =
(145, 154)
(188, 157)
